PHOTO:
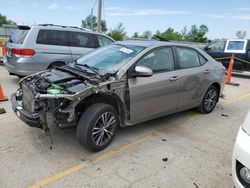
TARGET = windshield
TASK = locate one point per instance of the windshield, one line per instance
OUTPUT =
(18, 36)
(111, 58)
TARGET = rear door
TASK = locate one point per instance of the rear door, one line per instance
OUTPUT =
(154, 96)
(81, 43)
(193, 77)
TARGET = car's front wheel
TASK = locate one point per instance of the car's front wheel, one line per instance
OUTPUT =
(209, 101)
(97, 126)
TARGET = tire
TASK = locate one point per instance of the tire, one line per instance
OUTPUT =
(90, 130)
(56, 64)
(209, 101)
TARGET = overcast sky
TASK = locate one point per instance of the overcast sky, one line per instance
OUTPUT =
(223, 17)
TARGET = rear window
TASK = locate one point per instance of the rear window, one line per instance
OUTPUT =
(18, 36)
(188, 58)
(52, 37)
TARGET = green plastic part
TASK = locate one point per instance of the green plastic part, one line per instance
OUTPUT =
(55, 89)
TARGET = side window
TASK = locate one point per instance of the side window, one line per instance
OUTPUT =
(217, 46)
(188, 58)
(80, 39)
(52, 37)
(202, 60)
(103, 41)
(159, 60)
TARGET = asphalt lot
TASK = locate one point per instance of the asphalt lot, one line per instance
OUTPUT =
(187, 149)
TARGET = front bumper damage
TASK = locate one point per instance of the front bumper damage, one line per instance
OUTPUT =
(31, 119)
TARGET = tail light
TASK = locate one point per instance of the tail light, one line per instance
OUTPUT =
(20, 52)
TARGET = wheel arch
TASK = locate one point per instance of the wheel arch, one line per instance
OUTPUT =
(111, 99)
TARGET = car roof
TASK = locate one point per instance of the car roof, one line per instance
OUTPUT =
(69, 28)
(152, 43)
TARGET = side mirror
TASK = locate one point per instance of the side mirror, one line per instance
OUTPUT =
(141, 71)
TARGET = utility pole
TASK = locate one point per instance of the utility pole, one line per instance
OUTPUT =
(99, 19)
(92, 25)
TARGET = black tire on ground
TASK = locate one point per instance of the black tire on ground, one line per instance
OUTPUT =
(209, 101)
(91, 125)
(56, 64)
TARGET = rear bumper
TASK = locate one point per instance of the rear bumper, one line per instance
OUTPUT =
(23, 66)
(15, 69)
(31, 119)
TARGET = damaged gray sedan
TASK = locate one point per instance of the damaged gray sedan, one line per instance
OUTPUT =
(120, 85)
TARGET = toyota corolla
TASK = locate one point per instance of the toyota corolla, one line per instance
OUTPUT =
(120, 85)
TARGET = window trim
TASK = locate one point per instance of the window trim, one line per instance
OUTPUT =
(200, 55)
(132, 68)
(93, 37)
(189, 48)
(55, 31)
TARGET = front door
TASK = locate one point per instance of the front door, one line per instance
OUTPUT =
(154, 96)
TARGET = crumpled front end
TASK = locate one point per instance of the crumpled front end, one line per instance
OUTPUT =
(50, 98)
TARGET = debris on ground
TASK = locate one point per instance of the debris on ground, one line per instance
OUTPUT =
(224, 115)
(196, 186)
(165, 159)
(2, 111)
(164, 140)
(82, 159)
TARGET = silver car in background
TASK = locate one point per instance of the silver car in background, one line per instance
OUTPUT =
(37, 48)
(122, 84)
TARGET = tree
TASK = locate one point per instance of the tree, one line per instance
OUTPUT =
(90, 22)
(118, 33)
(171, 34)
(5, 21)
(147, 35)
(197, 34)
(241, 34)
(184, 32)
(158, 33)
(135, 35)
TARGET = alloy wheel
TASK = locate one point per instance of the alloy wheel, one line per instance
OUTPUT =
(210, 100)
(104, 128)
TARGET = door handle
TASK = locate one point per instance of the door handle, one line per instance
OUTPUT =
(174, 78)
(207, 71)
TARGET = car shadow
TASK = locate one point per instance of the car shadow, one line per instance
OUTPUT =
(64, 141)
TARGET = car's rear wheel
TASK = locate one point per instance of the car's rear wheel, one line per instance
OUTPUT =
(97, 126)
(209, 101)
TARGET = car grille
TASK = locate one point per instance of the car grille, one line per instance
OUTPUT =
(28, 101)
